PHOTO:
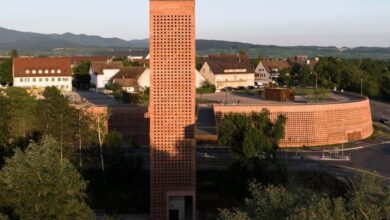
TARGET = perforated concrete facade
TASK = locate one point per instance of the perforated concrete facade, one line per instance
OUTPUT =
(172, 102)
(316, 124)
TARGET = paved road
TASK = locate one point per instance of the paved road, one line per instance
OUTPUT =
(373, 158)
(379, 109)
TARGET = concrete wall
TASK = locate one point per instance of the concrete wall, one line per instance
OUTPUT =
(315, 124)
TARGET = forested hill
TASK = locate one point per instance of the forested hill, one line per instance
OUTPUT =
(72, 44)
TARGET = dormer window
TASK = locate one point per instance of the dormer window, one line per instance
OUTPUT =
(46, 71)
(58, 71)
(27, 71)
(34, 72)
(53, 71)
(40, 71)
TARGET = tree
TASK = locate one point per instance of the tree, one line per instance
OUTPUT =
(113, 149)
(6, 72)
(369, 198)
(38, 186)
(81, 75)
(23, 118)
(82, 68)
(60, 120)
(14, 53)
(206, 88)
(251, 135)
(232, 215)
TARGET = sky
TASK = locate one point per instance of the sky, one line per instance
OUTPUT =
(339, 23)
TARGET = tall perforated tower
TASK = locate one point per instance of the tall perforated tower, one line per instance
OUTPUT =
(172, 109)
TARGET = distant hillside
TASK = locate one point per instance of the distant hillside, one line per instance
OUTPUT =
(48, 44)
(27, 41)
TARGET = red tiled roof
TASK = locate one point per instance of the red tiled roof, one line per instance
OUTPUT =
(131, 72)
(127, 82)
(219, 67)
(46, 65)
(224, 58)
(269, 65)
(99, 66)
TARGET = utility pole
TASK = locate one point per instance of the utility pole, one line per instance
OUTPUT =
(361, 86)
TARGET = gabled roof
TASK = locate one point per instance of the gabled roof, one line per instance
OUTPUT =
(224, 58)
(131, 72)
(48, 66)
(269, 65)
(128, 76)
(220, 67)
(79, 59)
(126, 82)
(98, 66)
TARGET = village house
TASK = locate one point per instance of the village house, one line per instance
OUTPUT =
(268, 70)
(228, 71)
(101, 72)
(42, 72)
(132, 79)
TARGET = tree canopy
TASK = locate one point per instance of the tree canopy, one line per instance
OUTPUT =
(251, 135)
(368, 199)
(38, 184)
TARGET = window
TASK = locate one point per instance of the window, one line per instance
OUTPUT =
(40, 79)
(46, 71)
(59, 79)
(58, 71)
(64, 79)
(53, 71)
(33, 79)
(47, 79)
(40, 71)
(21, 79)
(53, 79)
(27, 71)
(34, 72)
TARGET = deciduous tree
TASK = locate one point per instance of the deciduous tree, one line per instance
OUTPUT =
(37, 185)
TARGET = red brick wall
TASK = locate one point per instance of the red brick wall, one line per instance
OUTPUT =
(316, 124)
(172, 102)
(131, 122)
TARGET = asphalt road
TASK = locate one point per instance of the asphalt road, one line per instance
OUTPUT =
(375, 158)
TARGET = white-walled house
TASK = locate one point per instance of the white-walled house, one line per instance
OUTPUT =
(132, 79)
(101, 72)
(199, 79)
(231, 73)
(42, 72)
(269, 70)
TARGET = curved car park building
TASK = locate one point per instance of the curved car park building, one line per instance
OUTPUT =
(315, 124)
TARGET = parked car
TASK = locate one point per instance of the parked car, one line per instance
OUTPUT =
(251, 87)
(227, 89)
(241, 88)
